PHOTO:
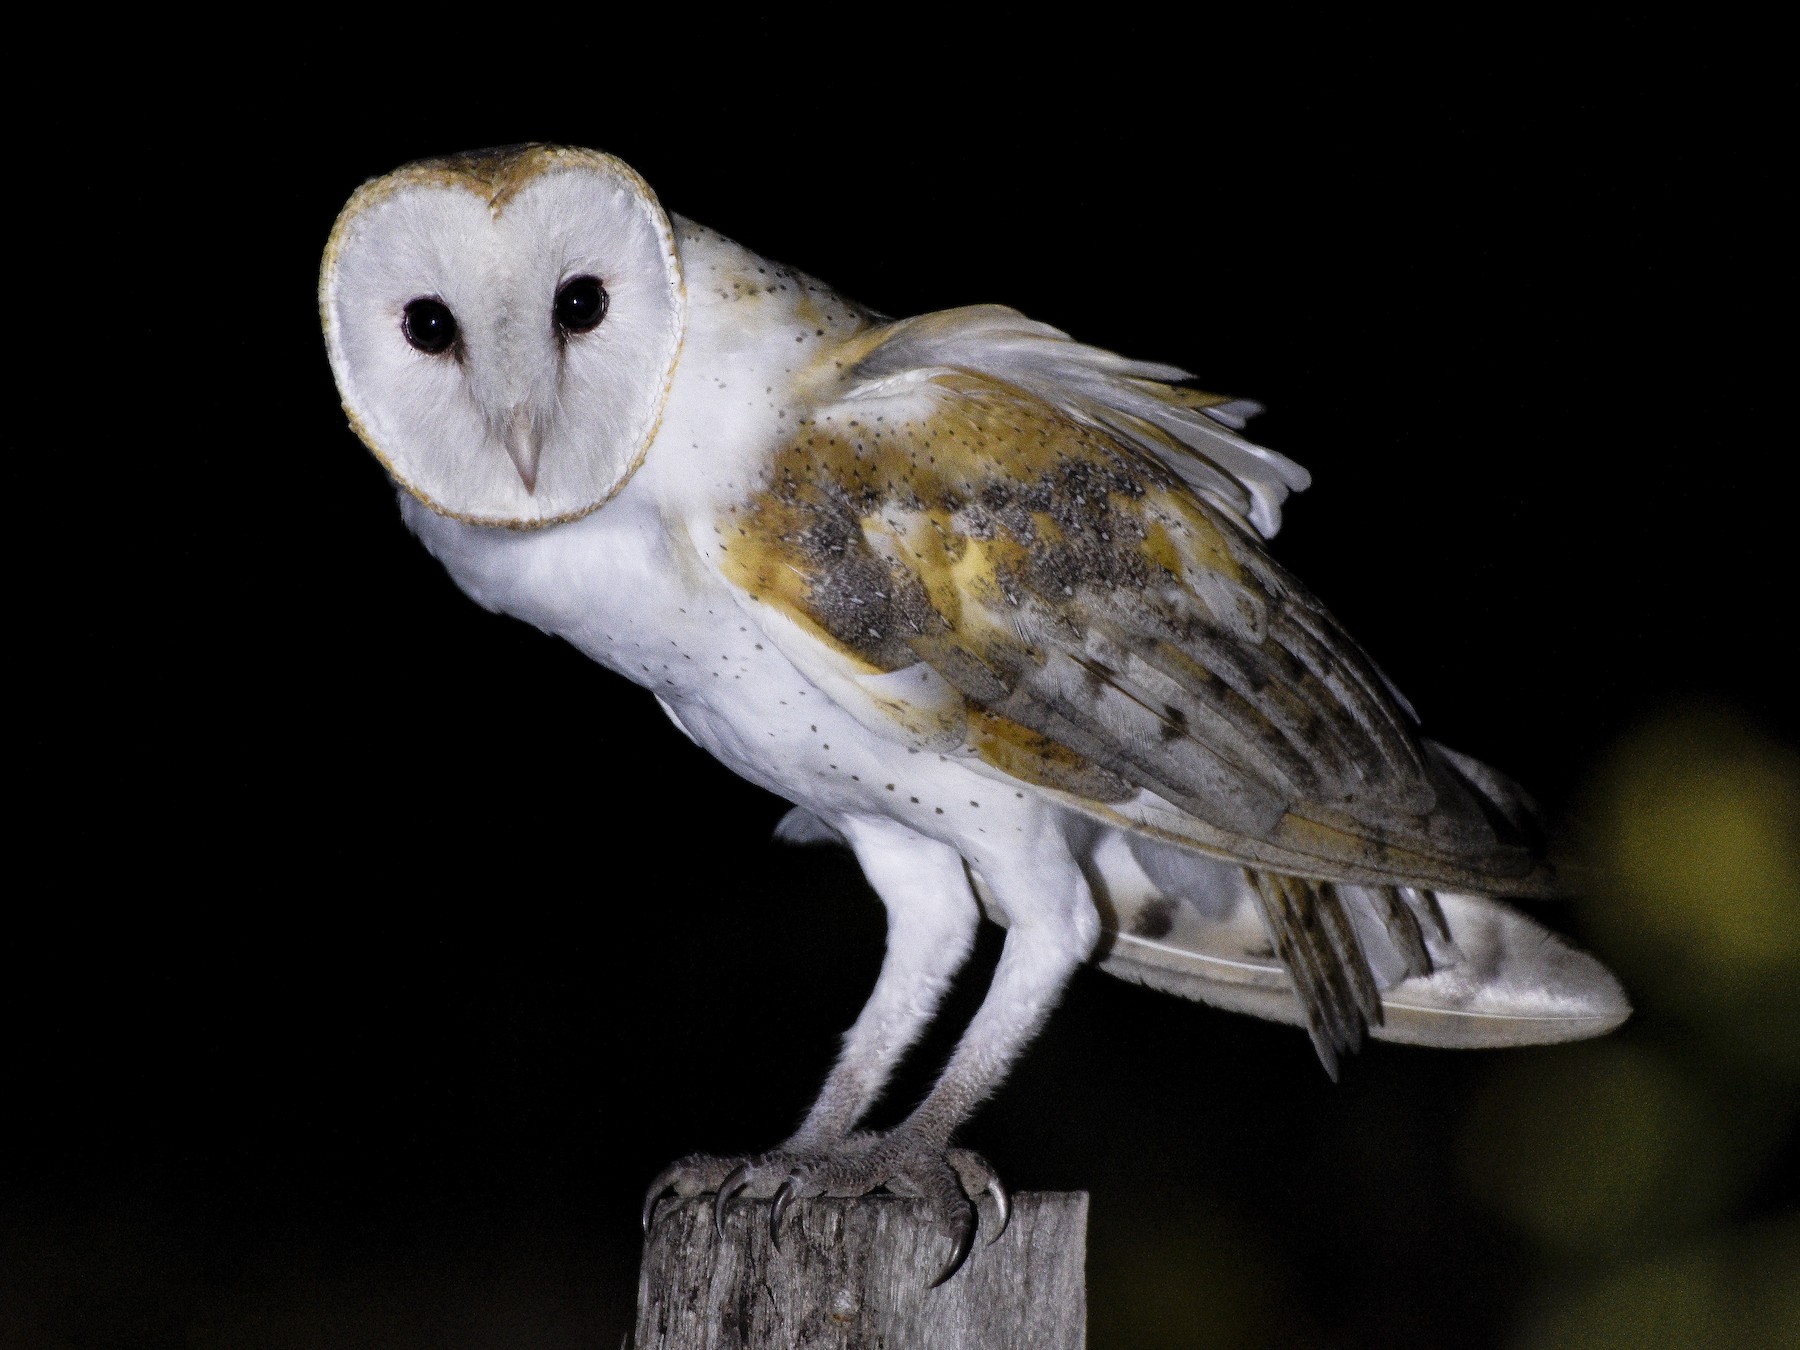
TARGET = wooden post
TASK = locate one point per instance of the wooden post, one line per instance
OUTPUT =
(855, 1274)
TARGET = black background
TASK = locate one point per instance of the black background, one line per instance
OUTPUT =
(369, 952)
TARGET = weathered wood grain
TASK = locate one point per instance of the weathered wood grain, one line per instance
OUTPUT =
(855, 1275)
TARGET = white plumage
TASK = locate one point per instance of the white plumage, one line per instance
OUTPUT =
(987, 605)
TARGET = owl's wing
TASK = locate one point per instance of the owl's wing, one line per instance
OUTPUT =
(1001, 544)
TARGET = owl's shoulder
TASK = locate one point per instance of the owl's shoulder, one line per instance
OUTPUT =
(765, 346)
(735, 292)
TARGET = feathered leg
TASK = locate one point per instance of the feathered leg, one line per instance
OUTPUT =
(932, 919)
(1053, 928)
(1049, 936)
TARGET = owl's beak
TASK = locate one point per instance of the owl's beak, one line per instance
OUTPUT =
(523, 444)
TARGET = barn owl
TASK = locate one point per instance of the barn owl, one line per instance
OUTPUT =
(988, 606)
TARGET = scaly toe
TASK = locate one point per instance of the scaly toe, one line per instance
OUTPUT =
(728, 1179)
(950, 1180)
(696, 1174)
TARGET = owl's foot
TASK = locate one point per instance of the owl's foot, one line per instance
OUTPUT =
(950, 1179)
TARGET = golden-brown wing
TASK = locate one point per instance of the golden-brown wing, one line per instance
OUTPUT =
(1023, 574)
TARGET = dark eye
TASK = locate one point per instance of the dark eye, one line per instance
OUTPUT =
(580, 305)
(429, 325)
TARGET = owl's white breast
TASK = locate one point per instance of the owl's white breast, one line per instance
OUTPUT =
(630, 593)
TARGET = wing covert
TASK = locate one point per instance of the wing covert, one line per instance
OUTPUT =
(969, 561)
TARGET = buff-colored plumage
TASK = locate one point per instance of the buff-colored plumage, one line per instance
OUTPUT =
(990, 606)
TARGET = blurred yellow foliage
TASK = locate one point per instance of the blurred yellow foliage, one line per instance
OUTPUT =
(1740, 1291)
(1631, 1160)
(1696, 836)
(1176, 1287)
(1602, 1146)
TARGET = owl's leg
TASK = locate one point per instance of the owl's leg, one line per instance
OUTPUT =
(932, 919)
(1053, 928)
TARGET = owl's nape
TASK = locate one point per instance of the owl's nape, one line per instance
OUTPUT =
(504, 328)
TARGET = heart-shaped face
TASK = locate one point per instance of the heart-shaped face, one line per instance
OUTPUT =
(503, 327)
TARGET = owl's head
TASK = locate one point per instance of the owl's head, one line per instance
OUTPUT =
(503, 326)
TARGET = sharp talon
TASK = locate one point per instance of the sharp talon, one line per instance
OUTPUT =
(728, 1191)
(965, 1239)
(779, 1207)
(658, 1189)
(1002, 1206)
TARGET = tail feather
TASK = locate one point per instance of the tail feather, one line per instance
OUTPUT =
(1331, 978)
(1449, 969)
(1396, 963)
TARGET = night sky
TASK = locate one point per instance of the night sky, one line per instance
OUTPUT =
(369, 952)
